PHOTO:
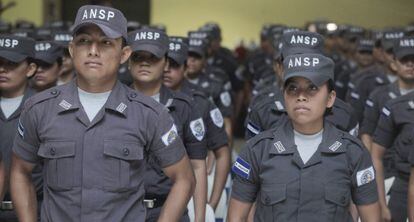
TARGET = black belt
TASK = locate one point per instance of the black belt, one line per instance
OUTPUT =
(154, 201)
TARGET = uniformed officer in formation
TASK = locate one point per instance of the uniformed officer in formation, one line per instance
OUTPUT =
(216, 137)
(93, 136)
(305, 169)
(147, 65)
(17, 66)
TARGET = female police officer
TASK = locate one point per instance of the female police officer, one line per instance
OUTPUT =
(305, 169)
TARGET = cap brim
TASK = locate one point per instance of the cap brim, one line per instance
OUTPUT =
(12, 56)
(299, 50)
(154, 49)
(46, 58)
(177, 58)
(105, 29)
(404, 52)
(316, 78)
(197, 51)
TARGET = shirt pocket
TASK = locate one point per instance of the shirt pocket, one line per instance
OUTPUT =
(272, 199)
(123, 165)
(337, 199)
(58, 164)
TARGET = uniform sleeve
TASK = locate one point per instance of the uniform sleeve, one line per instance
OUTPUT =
(216, 134)
(364, 186)
(246, 182)
(26, 143)
(224, 103)
(357, 103)
(195, 135)
(165, 144)
(371, 115)
(252, 124)
(385, 132)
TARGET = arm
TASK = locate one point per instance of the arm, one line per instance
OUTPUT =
(200, 193)
(370, 212)
(377, 153)
(182, 176)
(411, 196)
(22, 190)
(238, 211)
(210, 162)
(367, 141)
(229, 130)
(222, 170)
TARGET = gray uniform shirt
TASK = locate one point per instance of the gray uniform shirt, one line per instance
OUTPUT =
(270, 170)
(94, 171)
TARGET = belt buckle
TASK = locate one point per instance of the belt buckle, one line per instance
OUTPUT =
(6, 205)
(149, 203)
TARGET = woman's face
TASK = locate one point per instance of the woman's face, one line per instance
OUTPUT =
(305, 102)
(146, 67)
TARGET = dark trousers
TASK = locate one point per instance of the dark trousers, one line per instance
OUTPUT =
(398, 200)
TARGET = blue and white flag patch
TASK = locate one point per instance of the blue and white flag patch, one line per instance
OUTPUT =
(241, 168)
(20, 129)
(253, 128)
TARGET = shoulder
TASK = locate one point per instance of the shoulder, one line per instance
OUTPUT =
(46, 95)
(146, 102)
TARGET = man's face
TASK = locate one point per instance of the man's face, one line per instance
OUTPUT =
(364, 58)
(405, 68)
(146, 67)
(13, 76)
(174, 75)
(46, 75)
(96, 57)
(195, 65)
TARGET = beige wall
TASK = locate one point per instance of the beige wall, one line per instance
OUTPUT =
(244, 18)
(31, 10)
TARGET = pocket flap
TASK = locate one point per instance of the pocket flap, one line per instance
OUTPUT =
(57, 149)
(273, 193)
(123, 150)
(337, 194)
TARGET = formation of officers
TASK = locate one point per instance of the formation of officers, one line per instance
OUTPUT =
(107, 120)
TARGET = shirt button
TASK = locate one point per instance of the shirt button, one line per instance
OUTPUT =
(52, 151)
(267, 200)
(54, 92)
(133, 95)
(126, 151)
(343, 200)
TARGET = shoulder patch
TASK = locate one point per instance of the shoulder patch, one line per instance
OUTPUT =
(170, 136)
(369, 103)
(197, 128)
(241, 168)
(225, 98)
(365, 176)
(253, 128)
(217, 117)
(386, 111)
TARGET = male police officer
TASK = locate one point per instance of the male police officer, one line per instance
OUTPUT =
(93, 135)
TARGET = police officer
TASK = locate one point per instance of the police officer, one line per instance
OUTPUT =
(16, 67)
(394, 130)
(93, 136)
(216, 136)
(305, 169)
(147, 64)
(67, 72)
(48, 58)
(215, 86)
(267, 113)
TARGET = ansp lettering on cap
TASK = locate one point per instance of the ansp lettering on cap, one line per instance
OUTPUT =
(174, 46)
(147, 36)
(393, 35)
(303, 39)
(63, 37)
(195, 42)
(94, 13)
(9, 43)
(44, 46)
(407, 43)
(303, 61)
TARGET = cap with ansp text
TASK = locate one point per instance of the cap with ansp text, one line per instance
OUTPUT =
(404, 47)
(315, 67)
(390, 37)
(178, 51)
(298, 42)
(365, 45)
(62, 37)
(150, 40)
(16, 48)
(48, 51)
(110, 20)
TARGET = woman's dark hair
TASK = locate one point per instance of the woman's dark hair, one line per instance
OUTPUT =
(331, 87)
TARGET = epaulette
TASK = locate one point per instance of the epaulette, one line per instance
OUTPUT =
(268, 134)
(136, 96)
(42, 96)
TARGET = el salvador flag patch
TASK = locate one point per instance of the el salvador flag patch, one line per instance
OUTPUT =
(241, 168)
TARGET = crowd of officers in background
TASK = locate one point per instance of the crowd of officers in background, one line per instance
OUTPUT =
(213, 95)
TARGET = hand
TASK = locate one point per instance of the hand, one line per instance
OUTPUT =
(385, 214)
